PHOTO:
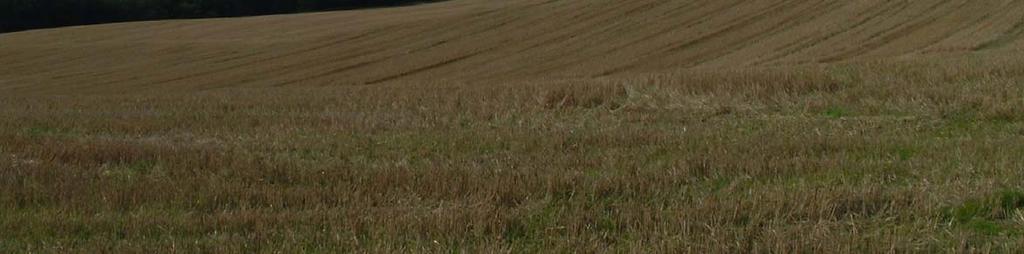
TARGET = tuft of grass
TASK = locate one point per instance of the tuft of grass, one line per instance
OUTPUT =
(835, 112)
(989, 216)
(127, 171)
(985, 227)
(42, 131)
(1011, 200)
(905, 153)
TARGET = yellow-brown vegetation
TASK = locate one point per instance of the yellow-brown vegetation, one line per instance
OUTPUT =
(522, 126)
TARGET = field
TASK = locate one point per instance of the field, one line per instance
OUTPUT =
(522, 126)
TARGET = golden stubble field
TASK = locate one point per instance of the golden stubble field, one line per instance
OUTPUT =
(522, 126)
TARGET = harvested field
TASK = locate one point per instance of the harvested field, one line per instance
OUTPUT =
(485, 42)
(522, 126)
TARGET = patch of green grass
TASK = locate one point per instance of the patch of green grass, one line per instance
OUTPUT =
(43, 131)
(836, 112)
(141, 166)
(968, 211)
(985, 227)
(530, 228)
(905, 153)
(1011, 200)
(719, 183)
(129, 171)
(988, 216)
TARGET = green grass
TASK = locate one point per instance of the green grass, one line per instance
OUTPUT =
(836, 112)
(993, 215)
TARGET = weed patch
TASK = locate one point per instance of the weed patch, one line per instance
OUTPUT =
(836, 112)
(129, 170)
(989, 216)
(41, 131)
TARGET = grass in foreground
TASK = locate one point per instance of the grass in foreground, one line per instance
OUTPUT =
(866, 157)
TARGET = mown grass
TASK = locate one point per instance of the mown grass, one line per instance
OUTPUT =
(867, 157)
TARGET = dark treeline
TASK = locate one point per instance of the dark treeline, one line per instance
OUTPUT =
(17, 15)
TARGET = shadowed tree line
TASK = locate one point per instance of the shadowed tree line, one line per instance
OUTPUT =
(17, 15)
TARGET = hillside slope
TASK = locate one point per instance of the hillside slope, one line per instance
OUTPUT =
(508, 126)
(492, 41)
